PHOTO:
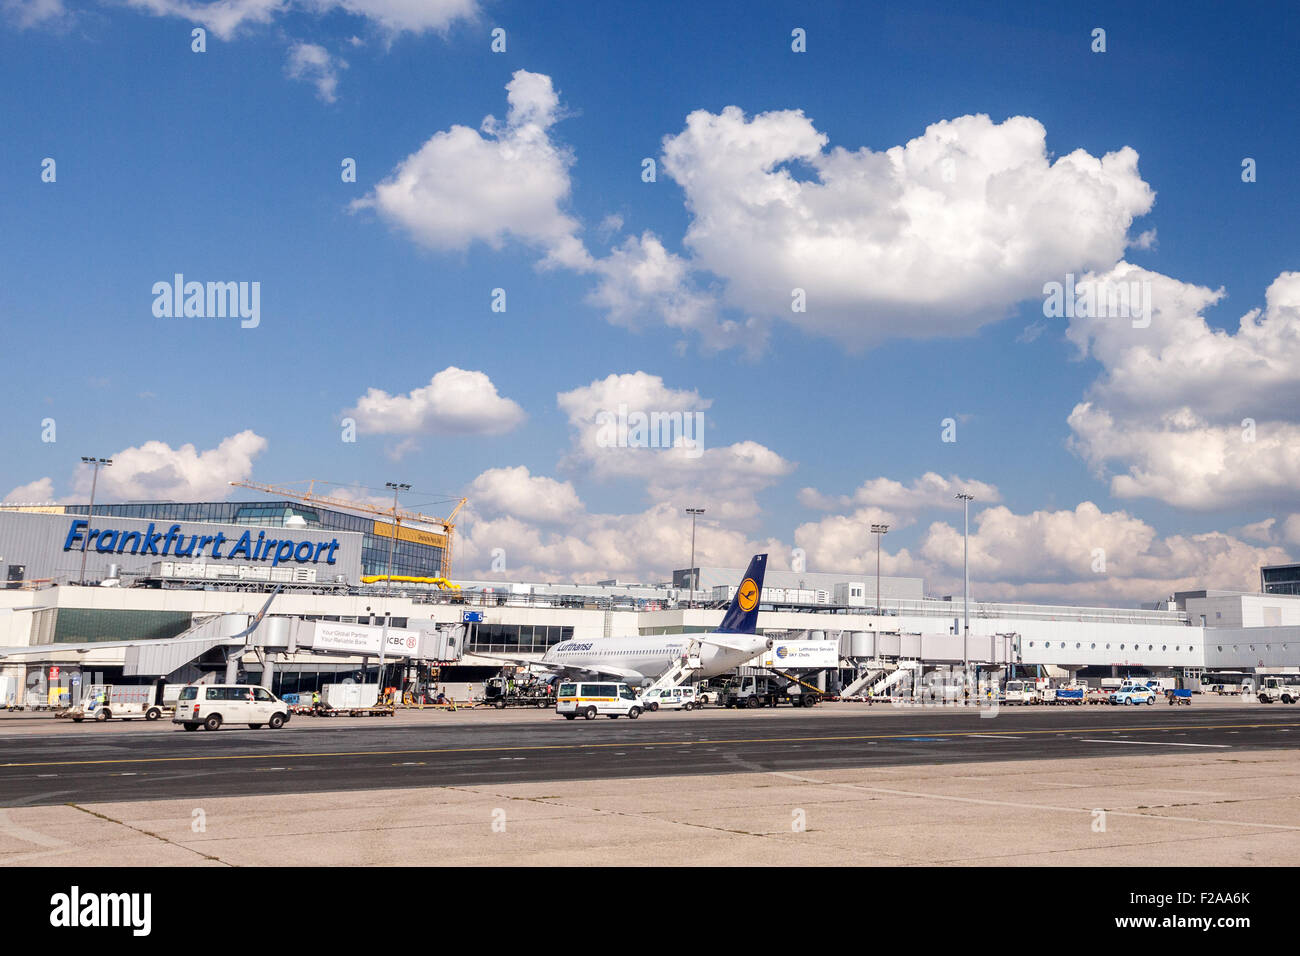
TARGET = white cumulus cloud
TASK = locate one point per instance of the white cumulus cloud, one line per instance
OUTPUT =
(1087, 555)
(509, 180)
(40, 491)
(642, 546)
(674, 460)
(934, 237)
(222, 17)
(455, 402)
(845, 542)
(517, 493)
(1198, 417)
(314, 64)
(225, 17)
(35, 13)
(931, 490)
(640, 283)
(154, 471)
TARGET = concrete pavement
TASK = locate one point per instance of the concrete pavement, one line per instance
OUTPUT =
(1184, 809)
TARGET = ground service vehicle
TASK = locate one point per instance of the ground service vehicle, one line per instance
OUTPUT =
(762, 690)
(349, 699)
(521, 691)
(1133, 694)
(110, 701)
(1177, 695)
(1274, 689)
(211, 705)
(32, 700)
(670, 698)
(1020, 692)
(591, 698)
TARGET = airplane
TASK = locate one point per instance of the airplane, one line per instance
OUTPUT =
(639, 660)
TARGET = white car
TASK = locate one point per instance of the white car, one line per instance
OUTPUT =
(211, 705)
(589, 699)
(671, 698)
(1134, 694)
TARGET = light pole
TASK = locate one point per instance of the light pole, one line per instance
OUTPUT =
(388, 584)
(965, 499)
(95, 463)
(879, 530)
(693, 512)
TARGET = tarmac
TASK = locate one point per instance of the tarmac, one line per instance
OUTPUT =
(1214, 784)
(1186, 809)
(29, 722)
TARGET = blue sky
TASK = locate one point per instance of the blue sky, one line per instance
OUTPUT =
(222, 166)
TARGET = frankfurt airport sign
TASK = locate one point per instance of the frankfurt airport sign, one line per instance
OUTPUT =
(172, 543)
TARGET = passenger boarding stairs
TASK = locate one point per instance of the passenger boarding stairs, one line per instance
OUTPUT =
(904, 669)
(167, 656)
(679, 671)
(868, 676)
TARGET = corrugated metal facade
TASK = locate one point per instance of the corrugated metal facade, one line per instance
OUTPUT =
(891, 588)
(36, 542)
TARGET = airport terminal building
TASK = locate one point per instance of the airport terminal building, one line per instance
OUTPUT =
(187, 574)
(363, 542)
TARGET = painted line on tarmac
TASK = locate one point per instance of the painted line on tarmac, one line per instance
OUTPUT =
(951, 798)
(1148, 743)
(606, 746)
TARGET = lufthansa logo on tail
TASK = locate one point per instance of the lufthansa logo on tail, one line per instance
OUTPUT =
(747, 596)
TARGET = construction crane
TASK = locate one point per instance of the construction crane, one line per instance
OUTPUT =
(347, 504)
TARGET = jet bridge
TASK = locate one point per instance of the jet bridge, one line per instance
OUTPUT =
(272, 641)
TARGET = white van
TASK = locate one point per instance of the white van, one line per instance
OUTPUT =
(212, 705)
(592, 698)
(108, 701)
(670, 698)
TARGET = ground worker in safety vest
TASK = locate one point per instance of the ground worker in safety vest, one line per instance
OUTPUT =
(315, 700)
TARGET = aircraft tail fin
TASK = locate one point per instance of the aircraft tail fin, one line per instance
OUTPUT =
(742, 614)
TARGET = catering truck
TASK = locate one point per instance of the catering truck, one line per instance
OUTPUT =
(762, 690)
(521, 690)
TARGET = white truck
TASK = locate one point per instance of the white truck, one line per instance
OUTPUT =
(109, 701)
(1020, 692)
(763, 690)
(1275, 689)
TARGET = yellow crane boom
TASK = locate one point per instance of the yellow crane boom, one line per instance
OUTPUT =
(347, 504)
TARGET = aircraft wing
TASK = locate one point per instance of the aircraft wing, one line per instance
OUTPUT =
(605, 670)
(521, 661)
(608, 670)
